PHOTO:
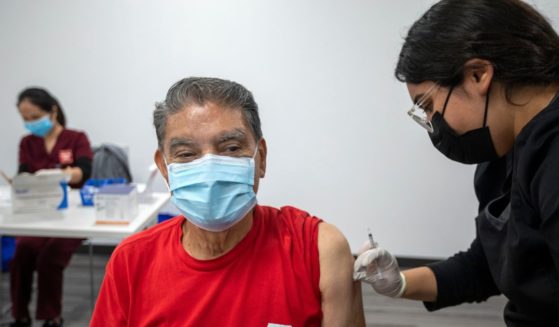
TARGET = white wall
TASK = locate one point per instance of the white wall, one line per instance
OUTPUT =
(340, 143)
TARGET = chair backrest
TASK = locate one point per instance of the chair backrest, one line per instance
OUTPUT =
(110, 161)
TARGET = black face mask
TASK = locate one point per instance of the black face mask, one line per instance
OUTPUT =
(471, 147)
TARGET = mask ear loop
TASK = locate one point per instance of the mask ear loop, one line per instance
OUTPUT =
(166, 167)
(486, 106)
(165, 161)
(447, 98)
(256, 149)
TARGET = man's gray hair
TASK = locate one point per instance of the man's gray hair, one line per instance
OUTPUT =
(198, 91)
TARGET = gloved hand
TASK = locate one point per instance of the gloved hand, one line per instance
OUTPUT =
(378, 267)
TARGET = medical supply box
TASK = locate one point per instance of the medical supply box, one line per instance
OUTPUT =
(39, 193)
(91, 187)
(116, 204)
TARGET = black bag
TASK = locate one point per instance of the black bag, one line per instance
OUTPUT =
(110, 161)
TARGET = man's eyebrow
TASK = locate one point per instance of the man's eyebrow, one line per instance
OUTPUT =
(236, 134)
(180, 141)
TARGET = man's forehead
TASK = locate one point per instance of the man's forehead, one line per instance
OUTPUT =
(208, 112)
(223, 136)
(196, 124)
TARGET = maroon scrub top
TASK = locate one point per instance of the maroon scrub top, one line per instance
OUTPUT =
(71, 149)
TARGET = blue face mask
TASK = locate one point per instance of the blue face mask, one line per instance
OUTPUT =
(40, 127)
(213, 192)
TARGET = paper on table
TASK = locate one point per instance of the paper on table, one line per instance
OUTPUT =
(145, 191)
(5, 196)
(5, 177)
(55, 171)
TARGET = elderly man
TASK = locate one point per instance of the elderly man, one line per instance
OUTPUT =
(226, 261)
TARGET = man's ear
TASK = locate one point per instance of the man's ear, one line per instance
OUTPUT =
(262, 154)
(478, 74)
(160, 162)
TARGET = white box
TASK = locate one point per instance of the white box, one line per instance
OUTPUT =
(116, 204)
(39, 193)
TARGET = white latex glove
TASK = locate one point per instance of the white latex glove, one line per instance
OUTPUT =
(378, 267)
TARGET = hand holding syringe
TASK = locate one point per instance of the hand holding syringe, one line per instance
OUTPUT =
(379, 268)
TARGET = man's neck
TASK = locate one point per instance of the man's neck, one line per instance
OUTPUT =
(205, 245)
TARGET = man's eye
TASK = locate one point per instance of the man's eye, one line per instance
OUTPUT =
(232, 148)
(185, 155)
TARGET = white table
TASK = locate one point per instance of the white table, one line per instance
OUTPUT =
(75, 222)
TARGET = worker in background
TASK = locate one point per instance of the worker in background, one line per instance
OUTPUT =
(49, 146)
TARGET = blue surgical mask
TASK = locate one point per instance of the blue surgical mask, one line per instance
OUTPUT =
(40, 127)
(213, 192)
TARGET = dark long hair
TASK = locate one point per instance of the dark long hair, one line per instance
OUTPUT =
(44, 100)
(520, 43)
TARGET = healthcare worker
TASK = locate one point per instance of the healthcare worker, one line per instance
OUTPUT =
(49, 146)
(484, 79)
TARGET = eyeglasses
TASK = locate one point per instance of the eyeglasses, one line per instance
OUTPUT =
(418, 114)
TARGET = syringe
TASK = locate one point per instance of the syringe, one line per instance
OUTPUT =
(371, 238)
(373, 245)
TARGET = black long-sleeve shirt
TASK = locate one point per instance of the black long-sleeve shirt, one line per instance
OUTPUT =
(516, 250)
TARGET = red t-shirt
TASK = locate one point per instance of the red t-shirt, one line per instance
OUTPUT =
(270, 278)
(70, 148)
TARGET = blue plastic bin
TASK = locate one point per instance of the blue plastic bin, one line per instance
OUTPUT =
(162, 216)
(8, 248)
(91, 187)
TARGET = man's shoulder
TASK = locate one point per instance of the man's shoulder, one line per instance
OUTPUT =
(287, 217)
(296, 221)
(288, 220)
(285, 213)
(150, 237)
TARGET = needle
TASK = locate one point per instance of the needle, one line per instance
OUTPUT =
(373, 245)
(371, 238)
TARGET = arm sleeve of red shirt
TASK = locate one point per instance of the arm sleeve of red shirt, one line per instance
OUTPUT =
(545, 191)
(464, 277)
(113, 299)
(311, 231)
(305, 227)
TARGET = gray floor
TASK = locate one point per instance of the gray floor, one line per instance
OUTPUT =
(379, 311)
(385, 312)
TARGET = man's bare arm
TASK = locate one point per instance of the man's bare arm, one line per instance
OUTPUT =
(341, 298)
